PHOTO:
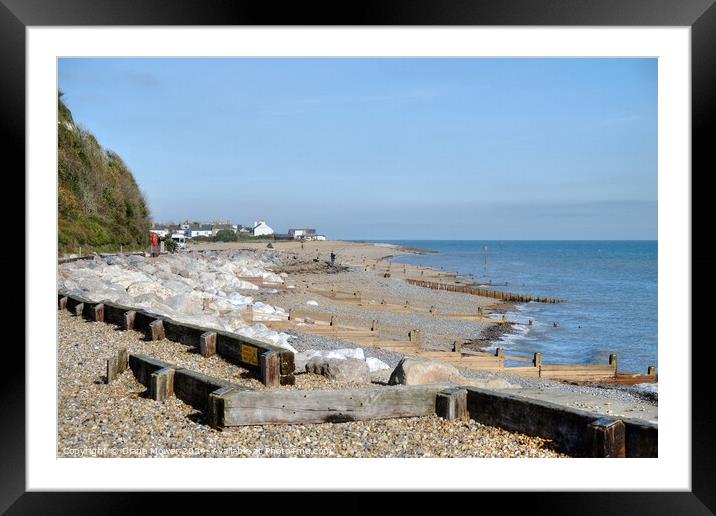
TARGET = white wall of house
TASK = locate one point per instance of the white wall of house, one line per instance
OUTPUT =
(320, 237)
(160, 232)
(199, 232)
(261, 228)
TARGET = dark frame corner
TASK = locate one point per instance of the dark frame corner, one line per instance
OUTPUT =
(700, 15)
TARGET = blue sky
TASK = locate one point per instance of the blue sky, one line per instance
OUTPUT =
(385, 148)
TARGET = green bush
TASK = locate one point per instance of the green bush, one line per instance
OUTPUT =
(170, 245)
(225, 235)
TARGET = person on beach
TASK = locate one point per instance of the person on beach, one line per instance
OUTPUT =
(333, 258)
(155, 245)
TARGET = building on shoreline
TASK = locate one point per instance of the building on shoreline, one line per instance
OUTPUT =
(161, 230)
(199, 230)
(302, 233)
(261, 228)
(305, 234)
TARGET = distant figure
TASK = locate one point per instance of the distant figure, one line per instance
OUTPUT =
(301, 244)
(333, 258)
(155, 245)
(554, 324)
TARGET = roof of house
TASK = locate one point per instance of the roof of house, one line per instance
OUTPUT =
(200, 227)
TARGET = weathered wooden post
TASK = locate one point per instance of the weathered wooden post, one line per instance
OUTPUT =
(62, 303)
(451, 404)
(374, 325)
(607, 438)
(128, 323)
(432, 310)
(613, 361)
(112, 369)
(161, 384)
(414, 336)
(651, 371)
(537, 361)
(207, 344)
(290, 314)
(78, 309)
(499, 352)
(156, 330)
(216, 407)
(117, 364)
(457, 347)
(332, 322)
(270, 369)
(97, 313)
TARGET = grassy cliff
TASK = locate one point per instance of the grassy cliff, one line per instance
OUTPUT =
(100, 205)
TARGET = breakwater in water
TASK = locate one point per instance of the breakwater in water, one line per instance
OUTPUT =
(495, 294)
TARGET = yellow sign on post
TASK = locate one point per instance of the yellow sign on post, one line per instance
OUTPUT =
(249, 354)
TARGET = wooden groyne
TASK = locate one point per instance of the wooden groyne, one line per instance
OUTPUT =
(476, 291)
(271, 364)
(329, 325)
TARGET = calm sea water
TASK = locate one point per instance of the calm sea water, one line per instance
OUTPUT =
(609, 288)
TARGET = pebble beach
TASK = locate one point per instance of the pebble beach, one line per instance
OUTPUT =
(119, 419)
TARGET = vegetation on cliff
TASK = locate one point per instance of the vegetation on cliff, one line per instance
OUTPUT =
(99, 203)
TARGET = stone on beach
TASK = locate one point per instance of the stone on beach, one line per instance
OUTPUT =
(375, 364)
(421, 371)
(346, 369)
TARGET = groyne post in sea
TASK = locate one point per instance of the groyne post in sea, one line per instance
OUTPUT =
(494, 294)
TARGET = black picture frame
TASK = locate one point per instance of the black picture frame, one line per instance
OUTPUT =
(700, 15)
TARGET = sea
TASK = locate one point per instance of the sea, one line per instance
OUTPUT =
(608, 288)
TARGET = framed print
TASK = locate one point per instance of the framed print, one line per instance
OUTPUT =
(300, 250)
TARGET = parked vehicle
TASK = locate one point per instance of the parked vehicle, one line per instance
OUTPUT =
(180, 239)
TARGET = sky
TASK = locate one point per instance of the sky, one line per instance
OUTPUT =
(464, 148)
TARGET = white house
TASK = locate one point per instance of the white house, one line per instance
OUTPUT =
(261, 228)
(196, 230)
(160, 230)
(320, 237)
(302, 233)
